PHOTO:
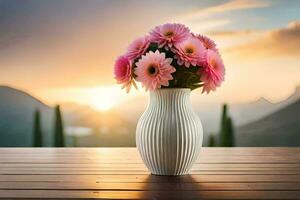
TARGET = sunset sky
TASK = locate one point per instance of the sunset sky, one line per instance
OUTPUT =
(64, 51)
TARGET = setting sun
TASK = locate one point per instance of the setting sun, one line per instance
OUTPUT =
(102, 98)
(104, 103)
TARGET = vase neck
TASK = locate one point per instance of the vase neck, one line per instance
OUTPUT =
(170, 96)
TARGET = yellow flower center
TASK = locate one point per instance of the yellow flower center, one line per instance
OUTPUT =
(189, 50)
(169, 34)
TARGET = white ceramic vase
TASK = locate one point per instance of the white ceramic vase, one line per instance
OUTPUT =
(169, 134)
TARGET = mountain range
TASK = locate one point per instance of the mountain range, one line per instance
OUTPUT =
(281, 128)
(259, 123)
(16, 122)
(16, 118)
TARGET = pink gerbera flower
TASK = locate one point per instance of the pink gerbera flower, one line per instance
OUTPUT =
(137, 48)
(207, 42)
(123, 73)
(154, 70)
(190, 52)
(169, 34)
(213, 71)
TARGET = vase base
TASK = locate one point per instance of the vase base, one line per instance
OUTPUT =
(169, 174)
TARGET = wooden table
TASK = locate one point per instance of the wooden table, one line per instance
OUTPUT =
(118, 173)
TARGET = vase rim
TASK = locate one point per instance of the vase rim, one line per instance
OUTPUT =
(161, 89)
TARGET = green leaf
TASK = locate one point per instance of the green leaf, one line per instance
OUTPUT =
(152, 47)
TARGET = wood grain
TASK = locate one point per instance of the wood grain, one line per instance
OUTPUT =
(119, 173)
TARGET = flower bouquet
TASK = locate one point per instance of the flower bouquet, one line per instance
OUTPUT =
(170, 62)
(171, 57)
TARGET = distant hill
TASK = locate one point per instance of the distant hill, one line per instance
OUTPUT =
(16, 118)
(242, 113)
(16, 122)
(245, 113)
(109, 129)
(282, 128)
(117, 128)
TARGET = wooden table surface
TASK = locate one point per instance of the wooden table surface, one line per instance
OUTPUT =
(118, 173)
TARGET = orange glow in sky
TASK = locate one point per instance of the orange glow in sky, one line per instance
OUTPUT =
(66, 53)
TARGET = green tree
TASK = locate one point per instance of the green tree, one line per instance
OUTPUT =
(59, 140)
(37, 130)
(230, 133)
(211, 141)
(223, 126)
(226, 132)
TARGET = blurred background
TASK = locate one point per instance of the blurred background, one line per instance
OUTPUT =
(56, 70)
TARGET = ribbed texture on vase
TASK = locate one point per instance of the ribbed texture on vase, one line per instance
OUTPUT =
(169, 134)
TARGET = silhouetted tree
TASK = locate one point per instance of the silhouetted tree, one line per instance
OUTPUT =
(230, 133)
(226, 132)
(211, 141)
(37, 130)
(59, 140)
(223, 126)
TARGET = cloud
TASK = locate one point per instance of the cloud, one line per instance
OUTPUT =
(225, 7)
(203, 26)
(205, 19)
(230, 33)
(274, 43)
